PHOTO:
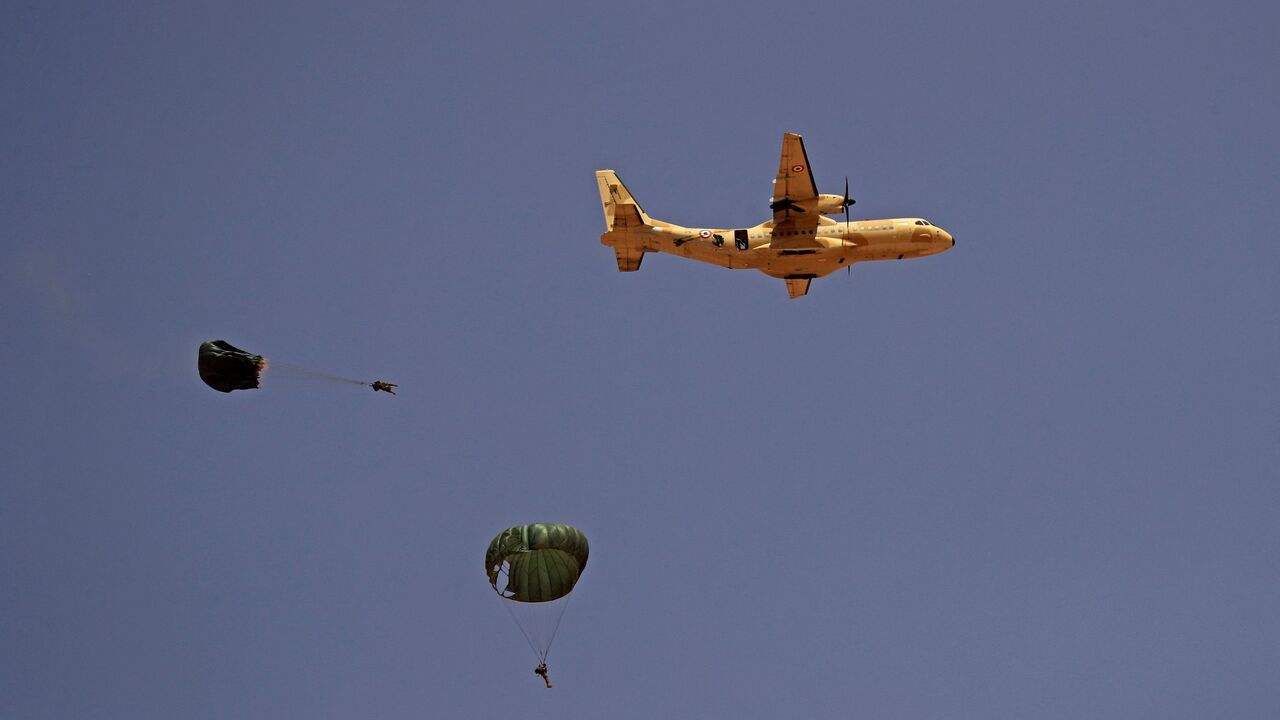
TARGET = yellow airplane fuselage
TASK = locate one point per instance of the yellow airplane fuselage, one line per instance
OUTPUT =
(815, 252)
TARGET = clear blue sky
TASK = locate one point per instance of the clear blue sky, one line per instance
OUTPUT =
(1034, 476)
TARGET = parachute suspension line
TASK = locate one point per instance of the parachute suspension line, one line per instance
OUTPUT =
(542, 657)
(316, 373)
(553, 624)
(555, 628)
(503, 571)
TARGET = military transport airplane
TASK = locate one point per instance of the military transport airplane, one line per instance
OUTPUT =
(797, 245)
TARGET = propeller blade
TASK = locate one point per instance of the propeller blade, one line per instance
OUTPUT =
(847, 203)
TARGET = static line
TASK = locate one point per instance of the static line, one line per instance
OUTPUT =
(315, 373)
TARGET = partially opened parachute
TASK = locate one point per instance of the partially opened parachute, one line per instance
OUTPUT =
(225, 367)
(541, 562)
(533, 568)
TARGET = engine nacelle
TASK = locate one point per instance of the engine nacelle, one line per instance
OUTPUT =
(830, 204)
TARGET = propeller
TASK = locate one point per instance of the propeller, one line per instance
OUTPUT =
(847, 202)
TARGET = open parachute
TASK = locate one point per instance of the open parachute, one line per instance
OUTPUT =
(533, 568)
(225, 367)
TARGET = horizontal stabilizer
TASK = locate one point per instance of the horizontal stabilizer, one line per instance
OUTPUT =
(629, 258)
(798, 286)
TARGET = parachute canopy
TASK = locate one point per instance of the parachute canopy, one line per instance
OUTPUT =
(541, 561)
(225, 367)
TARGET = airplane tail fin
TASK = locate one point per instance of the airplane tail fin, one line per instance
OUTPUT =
(621, 211)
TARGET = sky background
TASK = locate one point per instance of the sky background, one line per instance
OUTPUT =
(1034, 476)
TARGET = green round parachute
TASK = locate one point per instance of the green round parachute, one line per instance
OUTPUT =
(538, 566)
(225, 367)
(541, 562)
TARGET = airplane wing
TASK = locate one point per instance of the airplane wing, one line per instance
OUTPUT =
(794, 183)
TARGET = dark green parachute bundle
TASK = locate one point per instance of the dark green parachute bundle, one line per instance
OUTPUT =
(225, 367)
(542, 561)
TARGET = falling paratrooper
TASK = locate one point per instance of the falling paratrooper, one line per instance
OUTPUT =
(225, 367)
(540, 564)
